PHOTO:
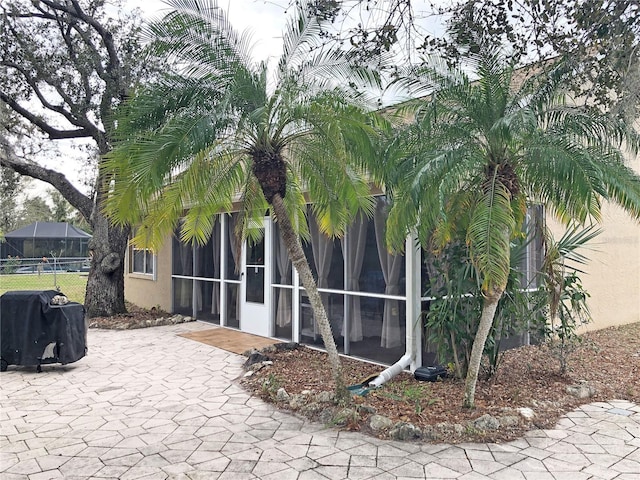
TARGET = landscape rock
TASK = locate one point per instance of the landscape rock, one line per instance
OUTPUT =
(366, 409)
(405, 431)
(430, 433)
(286, 346)
(256, 367)
(282, 395)
(447, 429)
(325, 397)
(509, 421)
(380, 423)
(346, 416)
(486, 422)
(311, 409)
(581, 390)
(128, 322)
(297, 401)
(255, 357)
(526, 412)
(326, 416)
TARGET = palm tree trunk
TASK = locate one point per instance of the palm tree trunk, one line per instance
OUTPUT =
(299, 261)
(486, 320)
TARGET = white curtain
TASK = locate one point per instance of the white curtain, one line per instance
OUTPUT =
(322, 247)
(215, 245)
(355, 244)
(391, 266)
(283, 310)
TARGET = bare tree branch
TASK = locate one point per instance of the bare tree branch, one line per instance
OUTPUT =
(83, 203)
(53, 133)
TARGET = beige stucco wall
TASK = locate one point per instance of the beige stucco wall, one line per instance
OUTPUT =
(612, 276)
(144, 291)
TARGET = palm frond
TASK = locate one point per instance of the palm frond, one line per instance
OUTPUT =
(489, 234)
(196, 35)
(576, 238)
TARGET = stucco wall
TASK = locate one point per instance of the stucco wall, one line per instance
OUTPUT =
(612, 276)
(145, 292)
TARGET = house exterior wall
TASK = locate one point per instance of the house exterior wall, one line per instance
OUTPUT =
(612, 276)
(149, 291)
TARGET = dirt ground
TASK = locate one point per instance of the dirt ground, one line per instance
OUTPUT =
(608, 361)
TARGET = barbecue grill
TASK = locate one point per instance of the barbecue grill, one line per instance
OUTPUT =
(35, 332)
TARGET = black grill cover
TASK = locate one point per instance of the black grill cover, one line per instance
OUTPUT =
(34, 332)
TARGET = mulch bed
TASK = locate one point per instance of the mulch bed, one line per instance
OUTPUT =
(607, 360)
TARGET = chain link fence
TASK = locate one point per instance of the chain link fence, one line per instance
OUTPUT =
(67, 275)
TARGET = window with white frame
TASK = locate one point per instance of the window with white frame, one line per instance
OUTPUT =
(141, 260)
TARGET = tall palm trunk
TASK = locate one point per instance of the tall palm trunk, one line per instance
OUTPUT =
(486, 320)
(294, 248)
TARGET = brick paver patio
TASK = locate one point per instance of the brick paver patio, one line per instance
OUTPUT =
(151, 405)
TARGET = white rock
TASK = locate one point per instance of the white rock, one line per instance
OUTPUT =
(282, 395)
(526, 412)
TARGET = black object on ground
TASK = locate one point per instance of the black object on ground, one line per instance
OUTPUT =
(431, 373)
(34, 332)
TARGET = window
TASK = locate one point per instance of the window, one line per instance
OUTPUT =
(141, 260)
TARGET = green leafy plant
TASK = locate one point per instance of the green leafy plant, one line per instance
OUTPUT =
(562, 294)
(517, 309)
(271, 384)
(451, 321)
(448, 322)
(418, 396)
(415, 394)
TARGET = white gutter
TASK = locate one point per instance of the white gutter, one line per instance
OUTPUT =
(413, 355)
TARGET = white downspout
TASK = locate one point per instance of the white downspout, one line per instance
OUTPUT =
(413, 353)
(391, 372)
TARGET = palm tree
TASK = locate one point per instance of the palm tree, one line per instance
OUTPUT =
(218, 127)
(478, 151)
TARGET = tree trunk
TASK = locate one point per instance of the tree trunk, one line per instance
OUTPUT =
(299, 261)
(486, 320)
(104, 296)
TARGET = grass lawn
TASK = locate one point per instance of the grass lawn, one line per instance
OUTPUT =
(72, 284)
